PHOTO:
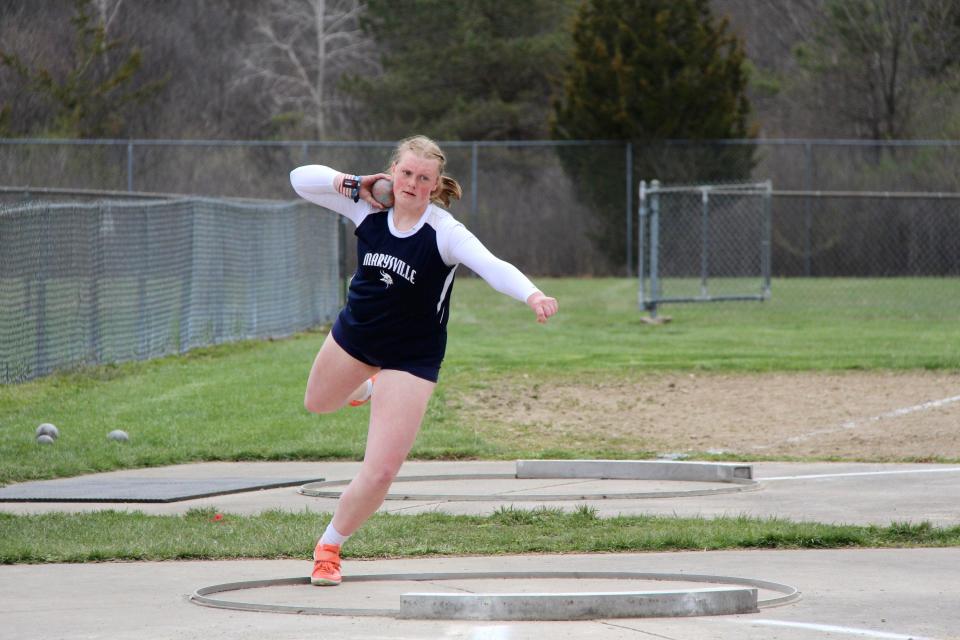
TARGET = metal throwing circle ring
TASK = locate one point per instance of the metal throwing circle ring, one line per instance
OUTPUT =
(531, 606)
(321, 490)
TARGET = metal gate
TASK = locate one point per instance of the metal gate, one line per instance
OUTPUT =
(703, 243)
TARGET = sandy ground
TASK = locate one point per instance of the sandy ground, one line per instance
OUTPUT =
(851, 415)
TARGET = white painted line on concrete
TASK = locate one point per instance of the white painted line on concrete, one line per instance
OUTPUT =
(498, 632)
(830, 628)
(852, 424)
(474, 632)
(861, 473)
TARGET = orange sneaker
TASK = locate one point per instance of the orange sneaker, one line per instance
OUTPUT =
(365, 399)
(326, 565)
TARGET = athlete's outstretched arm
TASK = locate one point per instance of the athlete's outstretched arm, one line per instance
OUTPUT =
(500, 274)
(331, 189)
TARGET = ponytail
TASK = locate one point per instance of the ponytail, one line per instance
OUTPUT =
(447, 188)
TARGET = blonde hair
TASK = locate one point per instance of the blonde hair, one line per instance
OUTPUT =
(424, 147)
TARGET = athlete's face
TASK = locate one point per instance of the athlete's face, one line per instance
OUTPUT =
(414, 179)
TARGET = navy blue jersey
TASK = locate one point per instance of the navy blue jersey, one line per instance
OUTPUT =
(400, 294)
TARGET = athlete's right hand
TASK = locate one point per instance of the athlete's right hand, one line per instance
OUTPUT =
(366, 188)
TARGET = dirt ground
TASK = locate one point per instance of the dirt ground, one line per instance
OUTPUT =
(850, 415)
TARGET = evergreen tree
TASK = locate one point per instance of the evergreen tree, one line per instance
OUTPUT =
(90, 98)
(648, 71)
(471, 69)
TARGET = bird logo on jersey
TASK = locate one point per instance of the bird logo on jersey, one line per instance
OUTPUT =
(385, 278)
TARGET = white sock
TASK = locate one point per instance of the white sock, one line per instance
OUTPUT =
(365, 394)
(332, 536)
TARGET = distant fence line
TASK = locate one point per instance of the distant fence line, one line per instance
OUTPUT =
(85, 283)
(517, 196)
(702, 243)
(88, 278)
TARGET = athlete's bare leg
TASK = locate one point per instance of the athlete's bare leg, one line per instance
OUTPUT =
(335, 378)
(396, 411)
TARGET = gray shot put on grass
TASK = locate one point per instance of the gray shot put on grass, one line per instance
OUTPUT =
(47, 429)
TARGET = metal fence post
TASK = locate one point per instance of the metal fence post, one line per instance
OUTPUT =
(629, 182)
(641, 224)
(40, 367)
(93, 286)
(142, 267)
(130, 165)
(807, 213)
(185, 312)
(253, 271)
(765, 241)
(704, 238)
(654, 247)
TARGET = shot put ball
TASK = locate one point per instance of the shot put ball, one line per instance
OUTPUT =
(47, 429)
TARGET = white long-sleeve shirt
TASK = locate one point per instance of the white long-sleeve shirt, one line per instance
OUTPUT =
(455, 244)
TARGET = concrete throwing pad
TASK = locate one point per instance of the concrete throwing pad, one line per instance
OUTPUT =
(536, 480)
(127, 489)
(635, 470)
(508, 595)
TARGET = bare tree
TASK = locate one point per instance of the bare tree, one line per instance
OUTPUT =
(771, 29)
(107, 10)
(864, 68)
(299, 51)
(107, 13)
(870, 56)
(872, 61)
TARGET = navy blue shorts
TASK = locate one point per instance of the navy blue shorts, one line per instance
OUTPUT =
(380, 356)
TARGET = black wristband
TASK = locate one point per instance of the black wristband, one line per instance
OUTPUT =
(350, 187)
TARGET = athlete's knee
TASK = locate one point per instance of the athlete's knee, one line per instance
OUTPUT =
(382, 475)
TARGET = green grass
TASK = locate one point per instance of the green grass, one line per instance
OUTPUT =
(113, 535)
(823, 324)
(244, 401)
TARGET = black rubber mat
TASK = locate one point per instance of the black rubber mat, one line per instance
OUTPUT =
(133, 489)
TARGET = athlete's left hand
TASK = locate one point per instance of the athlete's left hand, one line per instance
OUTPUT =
(542, 305)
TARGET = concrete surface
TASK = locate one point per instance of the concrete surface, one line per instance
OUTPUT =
(831, 493)
(891, 594)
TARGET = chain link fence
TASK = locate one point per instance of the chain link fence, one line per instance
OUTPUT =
(866, 234)
(517, 197)
(707, 243)
(885, 251)
(97, 282)
(554, 208)
(840, 210)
